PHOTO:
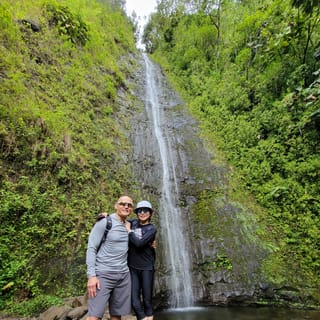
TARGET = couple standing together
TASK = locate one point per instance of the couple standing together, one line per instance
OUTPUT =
(120, 270)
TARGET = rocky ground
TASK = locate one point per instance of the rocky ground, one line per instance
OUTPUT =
(73, 309)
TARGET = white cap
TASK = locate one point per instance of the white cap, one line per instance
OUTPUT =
(144, 204)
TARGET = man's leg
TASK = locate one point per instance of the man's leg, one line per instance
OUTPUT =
(97, 305)
(120, 300)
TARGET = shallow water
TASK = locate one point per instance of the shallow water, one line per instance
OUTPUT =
(237, 313)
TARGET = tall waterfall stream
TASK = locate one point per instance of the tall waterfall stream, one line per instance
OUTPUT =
(171, 220)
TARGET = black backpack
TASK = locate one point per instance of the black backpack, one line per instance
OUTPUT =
(108, 227)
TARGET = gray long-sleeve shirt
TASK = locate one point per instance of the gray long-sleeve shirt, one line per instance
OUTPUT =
(112, 255)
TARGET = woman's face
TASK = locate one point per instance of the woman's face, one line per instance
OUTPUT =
(143, 214)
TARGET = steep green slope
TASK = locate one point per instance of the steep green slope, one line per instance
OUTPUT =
(250, 73)
(61, 137)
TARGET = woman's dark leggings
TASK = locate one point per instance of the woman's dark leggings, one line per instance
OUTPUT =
(141, 294)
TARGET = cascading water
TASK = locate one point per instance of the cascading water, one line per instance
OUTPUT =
(171, 220)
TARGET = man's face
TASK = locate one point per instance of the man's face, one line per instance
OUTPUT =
(124, 206)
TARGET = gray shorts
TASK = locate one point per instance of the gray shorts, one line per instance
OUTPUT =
(115, 289)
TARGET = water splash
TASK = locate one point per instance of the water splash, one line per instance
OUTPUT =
(171, 221)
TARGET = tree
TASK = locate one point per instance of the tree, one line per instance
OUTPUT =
(307, 22)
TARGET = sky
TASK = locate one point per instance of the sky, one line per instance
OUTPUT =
(142, 8)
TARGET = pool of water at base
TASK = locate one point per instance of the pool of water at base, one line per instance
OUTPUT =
(237, 313)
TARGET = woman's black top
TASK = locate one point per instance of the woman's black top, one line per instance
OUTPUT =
(141, 255)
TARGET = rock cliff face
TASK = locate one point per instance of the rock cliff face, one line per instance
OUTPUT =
(223, 248)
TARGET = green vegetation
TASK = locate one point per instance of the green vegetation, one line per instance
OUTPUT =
(250, 72)
(60, 135)
(34, 306)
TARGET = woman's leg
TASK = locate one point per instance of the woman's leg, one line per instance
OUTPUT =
(136, 293)
(147, 291)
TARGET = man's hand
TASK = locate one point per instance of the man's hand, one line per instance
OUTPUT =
(92, 286)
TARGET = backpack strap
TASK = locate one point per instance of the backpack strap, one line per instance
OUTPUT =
(108, 227)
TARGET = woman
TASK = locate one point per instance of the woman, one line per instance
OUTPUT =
(141, 260)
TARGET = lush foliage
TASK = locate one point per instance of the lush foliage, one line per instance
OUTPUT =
(60, 135)
(250, 71)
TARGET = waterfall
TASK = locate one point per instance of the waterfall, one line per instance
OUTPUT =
(209, 249)
(179, 279)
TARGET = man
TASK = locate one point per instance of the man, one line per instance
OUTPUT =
(107, 269)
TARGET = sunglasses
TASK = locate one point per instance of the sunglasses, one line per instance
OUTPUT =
(125, 204)
(142, 210)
